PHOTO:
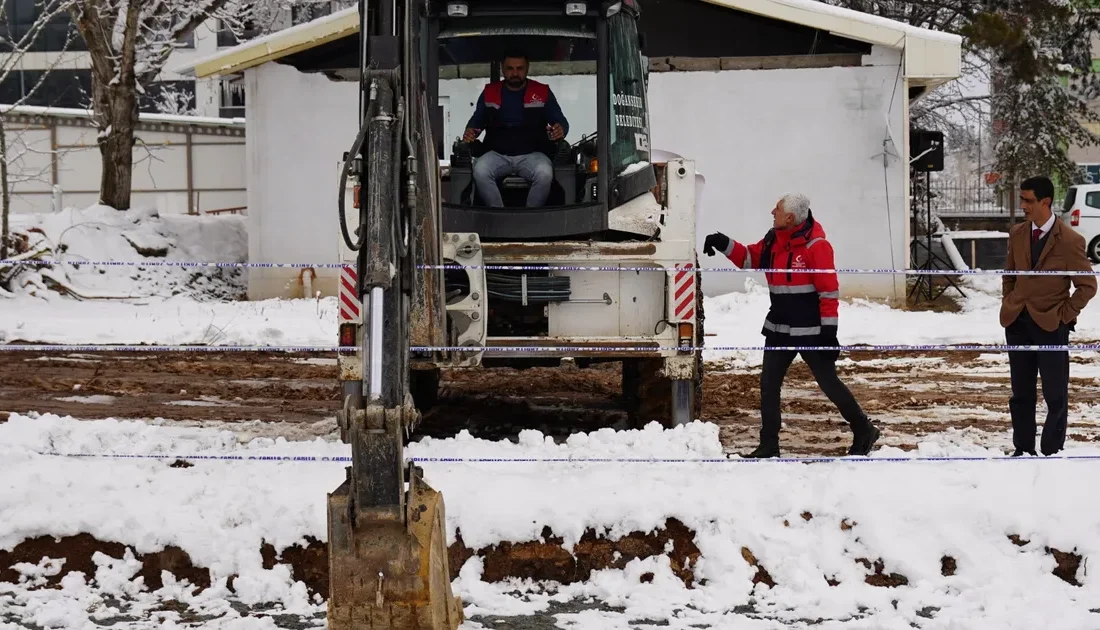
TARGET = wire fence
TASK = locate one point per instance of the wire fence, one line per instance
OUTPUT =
(970, 198)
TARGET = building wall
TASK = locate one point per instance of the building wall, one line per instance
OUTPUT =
(300, 126)
(58, 152)
(754, 134)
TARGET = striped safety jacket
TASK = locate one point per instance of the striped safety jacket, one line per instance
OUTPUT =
(803, 305)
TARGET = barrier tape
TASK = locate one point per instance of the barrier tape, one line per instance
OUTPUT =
(569, 460)
(556, 349)
(548, 267)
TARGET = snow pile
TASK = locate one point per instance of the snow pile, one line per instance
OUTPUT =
(103, 234)
(805, 524)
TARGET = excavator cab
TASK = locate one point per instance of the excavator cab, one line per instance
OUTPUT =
(590, 47)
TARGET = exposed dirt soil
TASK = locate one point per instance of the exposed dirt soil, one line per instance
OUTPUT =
(910, 398)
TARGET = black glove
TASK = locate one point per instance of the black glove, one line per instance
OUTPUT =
(828, 338)
(716, 241)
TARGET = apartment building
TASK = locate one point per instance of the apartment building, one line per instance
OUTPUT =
(66, 71)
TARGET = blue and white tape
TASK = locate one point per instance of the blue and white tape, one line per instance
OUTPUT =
(552, 267)
(570, 460)
(556, 349)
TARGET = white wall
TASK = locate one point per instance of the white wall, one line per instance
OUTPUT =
(756, 134)
(159, 173)
(301, 125)
(753, 134)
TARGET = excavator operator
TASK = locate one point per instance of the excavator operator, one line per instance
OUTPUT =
(522, 120)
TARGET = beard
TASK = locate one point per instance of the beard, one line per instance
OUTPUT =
(514, 82)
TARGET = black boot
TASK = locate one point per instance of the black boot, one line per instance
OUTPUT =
(765, 450)
(864, 439)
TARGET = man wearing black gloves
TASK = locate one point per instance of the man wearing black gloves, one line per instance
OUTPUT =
(804, 309)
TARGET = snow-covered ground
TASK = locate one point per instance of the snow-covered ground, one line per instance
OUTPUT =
(805, 524)
(908, 514)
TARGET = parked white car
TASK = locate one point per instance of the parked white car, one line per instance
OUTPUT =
(1081, 211)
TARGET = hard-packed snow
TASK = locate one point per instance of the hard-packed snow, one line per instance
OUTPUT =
(908, 515)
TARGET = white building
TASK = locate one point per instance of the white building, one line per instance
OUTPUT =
(68, 82)
(767, 96)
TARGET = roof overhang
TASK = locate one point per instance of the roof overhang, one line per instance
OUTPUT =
(275, 46)
(930, 57)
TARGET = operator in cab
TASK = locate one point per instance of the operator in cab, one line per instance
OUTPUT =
(522, 120)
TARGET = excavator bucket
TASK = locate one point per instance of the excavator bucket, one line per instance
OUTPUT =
(387, 569)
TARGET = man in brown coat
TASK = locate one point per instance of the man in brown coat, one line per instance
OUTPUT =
(1038, 310)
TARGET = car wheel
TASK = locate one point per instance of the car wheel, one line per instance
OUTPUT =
(1094, 250)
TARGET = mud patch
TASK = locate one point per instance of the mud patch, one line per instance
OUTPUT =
(762, 576)
(78, 551)
(548, 560)
(545, 559)
(948, 566)
(1067, 563)
(880, 577)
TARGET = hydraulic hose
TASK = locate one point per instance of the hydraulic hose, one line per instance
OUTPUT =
(401, 245)
(340, 198)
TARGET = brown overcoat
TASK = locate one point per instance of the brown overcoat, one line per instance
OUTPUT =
(1046, 297)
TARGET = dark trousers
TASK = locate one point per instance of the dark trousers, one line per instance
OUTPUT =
(823, 366)
(1024, 366)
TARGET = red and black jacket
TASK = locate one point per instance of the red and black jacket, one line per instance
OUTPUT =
(515, 126)
(804, 306)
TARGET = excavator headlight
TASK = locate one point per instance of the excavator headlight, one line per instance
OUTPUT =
(457, 9)
(575, 8)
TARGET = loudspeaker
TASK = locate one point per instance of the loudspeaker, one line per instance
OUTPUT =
(925, 150)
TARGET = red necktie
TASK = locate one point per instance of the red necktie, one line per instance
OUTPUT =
(1035, 235)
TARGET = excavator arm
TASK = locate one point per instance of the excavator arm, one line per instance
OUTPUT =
(386, 527)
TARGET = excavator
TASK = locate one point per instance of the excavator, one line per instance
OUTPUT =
(433, 279)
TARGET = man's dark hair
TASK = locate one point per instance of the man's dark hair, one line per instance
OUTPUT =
(1041, 186)
(516, 54)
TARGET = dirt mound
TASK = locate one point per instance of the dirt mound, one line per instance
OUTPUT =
(544, 559)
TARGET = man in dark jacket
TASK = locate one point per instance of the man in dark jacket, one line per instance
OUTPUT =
(522, 119)
(804, 310)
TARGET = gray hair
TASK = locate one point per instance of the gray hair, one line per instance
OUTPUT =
(798, 205)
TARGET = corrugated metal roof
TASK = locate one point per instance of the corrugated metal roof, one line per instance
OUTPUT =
(929, 55)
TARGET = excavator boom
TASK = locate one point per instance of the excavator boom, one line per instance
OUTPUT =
(386, 526)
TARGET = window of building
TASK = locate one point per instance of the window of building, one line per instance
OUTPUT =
(168, 97)
(226, 37)
(231, 99)
(302, 13)
(60, 88)
(20, 18)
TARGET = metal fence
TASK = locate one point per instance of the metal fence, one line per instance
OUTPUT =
(966, 199)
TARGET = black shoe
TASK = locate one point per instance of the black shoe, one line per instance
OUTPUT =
(864, 441)
(1020, 453)
(764, 451)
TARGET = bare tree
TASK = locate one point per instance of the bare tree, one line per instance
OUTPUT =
(129, 42)
(15, 49)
